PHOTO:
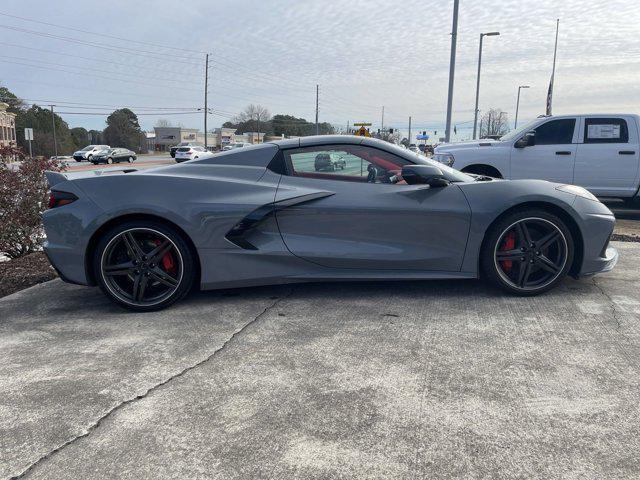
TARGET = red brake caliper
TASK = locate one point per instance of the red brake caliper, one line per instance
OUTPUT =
(509, 243)
(167, 260)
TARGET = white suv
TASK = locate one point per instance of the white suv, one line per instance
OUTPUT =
(190, 153)
(600, 152)
(88, 152)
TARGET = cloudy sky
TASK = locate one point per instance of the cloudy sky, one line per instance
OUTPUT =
(90, 56)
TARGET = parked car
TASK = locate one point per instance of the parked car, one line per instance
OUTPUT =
(173, 149)
(233, 146)
(598, 152)
(255, 216)
(189, 153)
(329, 161)
(114, 155)
(88, 152)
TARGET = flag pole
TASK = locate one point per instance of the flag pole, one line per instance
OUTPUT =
(553, 71)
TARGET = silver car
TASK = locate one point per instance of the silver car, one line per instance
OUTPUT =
(264, 215)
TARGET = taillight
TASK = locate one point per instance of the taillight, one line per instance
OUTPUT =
(58, 199)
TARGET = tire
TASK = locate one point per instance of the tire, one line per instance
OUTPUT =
(487, 170)
(95, 163)
(116, 270)
(534, 268)
(130, 159)
(78, 160)
(110, 160)
(90, 157)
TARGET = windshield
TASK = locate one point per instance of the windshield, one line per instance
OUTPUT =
(513, 134)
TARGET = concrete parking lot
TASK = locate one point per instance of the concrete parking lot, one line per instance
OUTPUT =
(377, 380)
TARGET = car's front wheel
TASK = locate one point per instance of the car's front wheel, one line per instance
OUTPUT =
(528, 252)
(144, 265)
(130, 159)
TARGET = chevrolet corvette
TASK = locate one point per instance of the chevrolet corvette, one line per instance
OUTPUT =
(266, 214)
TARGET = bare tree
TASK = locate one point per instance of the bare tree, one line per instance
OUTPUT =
(163, 122)
(253, 112)
(494, 123)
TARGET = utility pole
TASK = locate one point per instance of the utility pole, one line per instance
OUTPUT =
(317, 96)
(409, 130)
(347, 127)
(206, 87)
(53, 122)
(382, 123)
(452, 69)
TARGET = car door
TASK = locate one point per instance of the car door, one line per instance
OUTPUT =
(356, 219)
(553, 155)
(608, 158)
(117, 155)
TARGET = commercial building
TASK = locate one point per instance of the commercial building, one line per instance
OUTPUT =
(7, 126)
(163, 138)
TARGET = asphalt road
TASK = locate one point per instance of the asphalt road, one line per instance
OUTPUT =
(377, 380)
(142, 162)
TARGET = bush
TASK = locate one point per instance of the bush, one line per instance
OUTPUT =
(24, 195)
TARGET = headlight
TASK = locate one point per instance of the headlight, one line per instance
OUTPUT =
(445, 158)
(579, 191)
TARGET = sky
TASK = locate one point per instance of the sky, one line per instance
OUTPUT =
(88, 57)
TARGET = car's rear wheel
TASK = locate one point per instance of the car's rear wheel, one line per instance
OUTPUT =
(528, 252)
(109, 160)
(144, 265)
(130, 159)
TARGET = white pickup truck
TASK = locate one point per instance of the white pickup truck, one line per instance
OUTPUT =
(598, 152)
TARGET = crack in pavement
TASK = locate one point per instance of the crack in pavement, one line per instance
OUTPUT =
(612, 304)
(149, 391)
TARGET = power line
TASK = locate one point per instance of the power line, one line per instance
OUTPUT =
(114, 48)
(66, 27)
(96, 76)
(93, 59)
(92, 69)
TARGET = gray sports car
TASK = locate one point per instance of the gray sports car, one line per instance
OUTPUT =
(264, 215)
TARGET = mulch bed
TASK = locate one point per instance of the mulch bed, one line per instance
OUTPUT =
(24, 272)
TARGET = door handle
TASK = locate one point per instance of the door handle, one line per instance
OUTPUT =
(626, 152)
(563, 152)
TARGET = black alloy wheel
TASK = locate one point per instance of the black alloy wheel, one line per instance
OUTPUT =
(528, 253)
(144, 266)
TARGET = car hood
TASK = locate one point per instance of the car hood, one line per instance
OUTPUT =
(449, 147)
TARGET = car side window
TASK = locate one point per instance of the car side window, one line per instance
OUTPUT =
(556, 132)
(350, 163)
(605, 130)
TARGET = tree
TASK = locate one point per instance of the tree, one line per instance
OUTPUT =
(15, 104)
(123, 130)
(80, 137)
(494, 123)
(163, 122)
(96, 137)
(39, 119)
(257, 113)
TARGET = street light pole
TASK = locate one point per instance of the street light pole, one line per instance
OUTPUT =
(452, 69)
(518, 105)
(475, 111)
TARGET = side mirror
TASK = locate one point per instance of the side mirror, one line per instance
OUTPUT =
(425, 175)
(528, 140)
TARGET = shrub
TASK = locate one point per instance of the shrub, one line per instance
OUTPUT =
(24, 195)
